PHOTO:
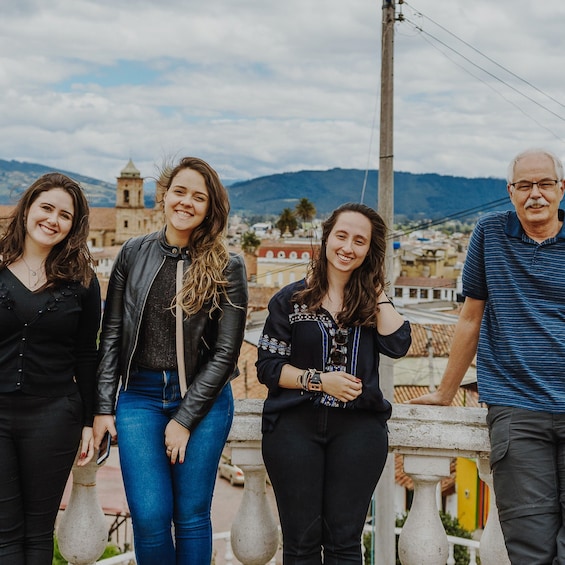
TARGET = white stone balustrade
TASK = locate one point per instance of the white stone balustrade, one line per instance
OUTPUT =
(427, 436)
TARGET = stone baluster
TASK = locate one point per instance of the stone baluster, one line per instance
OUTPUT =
(423, 539)
(493, 550)
(254, 532)
(82, 532)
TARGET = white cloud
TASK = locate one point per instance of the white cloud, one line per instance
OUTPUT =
(261, 87)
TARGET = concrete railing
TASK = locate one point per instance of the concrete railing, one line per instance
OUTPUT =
(428, 437)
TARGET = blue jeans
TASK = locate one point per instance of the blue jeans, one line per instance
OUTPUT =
(528, 467)
(324, 464)
(159, 494)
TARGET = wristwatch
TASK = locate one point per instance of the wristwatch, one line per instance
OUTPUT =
(315, 382)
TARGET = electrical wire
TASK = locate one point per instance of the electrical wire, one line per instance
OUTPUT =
(490, 59)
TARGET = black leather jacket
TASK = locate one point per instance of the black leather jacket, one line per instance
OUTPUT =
(211, 344)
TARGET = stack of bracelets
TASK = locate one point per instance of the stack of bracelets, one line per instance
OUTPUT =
(310, 380)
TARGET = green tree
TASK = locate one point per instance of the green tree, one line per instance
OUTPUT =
(250, 242)
(287, 221)
(305, 210)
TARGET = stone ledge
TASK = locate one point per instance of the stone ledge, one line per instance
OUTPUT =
(425, 430)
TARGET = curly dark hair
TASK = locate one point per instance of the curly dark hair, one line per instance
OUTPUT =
(366, 282)
(70, 259)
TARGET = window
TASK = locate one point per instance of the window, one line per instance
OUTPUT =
(413, 293)
(281, 255)
(293, 255)
(305, 255)
(126, 196)
(423, 293)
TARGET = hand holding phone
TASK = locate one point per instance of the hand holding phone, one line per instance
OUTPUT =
(104, 451)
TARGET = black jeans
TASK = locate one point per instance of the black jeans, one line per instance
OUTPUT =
(39, 438)
(324, 464)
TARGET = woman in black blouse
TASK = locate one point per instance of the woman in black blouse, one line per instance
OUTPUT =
(49, 321)
(324, 421)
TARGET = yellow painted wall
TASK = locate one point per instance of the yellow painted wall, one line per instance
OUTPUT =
(467, 484)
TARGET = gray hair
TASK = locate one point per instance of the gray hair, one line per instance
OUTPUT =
(535, 151)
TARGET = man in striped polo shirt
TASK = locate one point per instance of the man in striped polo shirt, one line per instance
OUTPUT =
(513, 318)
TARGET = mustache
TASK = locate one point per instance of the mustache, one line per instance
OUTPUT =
(541, 201)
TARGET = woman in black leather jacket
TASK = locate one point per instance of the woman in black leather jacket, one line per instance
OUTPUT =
(172, 428)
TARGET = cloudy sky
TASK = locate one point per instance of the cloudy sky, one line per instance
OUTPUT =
(259, 87)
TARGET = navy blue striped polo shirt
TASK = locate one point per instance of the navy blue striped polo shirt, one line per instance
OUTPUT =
(521, 352)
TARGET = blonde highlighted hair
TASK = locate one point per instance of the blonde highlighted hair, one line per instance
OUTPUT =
(204, 282)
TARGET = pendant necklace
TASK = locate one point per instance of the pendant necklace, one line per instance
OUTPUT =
(32, 274)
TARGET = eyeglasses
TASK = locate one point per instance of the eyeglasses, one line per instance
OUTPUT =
(338, 354)
(526, 186)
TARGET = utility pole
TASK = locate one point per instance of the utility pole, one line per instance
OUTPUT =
(384, 518)
(430, 346)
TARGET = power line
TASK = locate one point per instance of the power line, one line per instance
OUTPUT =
(505, 98)
(426, 224)
(489, 73)
(487, 57)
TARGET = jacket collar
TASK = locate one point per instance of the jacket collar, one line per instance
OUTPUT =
(172, 250)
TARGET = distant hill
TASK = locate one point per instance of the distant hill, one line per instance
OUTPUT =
(416, 196)
(16, 176)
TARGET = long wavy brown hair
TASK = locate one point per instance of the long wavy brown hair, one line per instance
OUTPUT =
(205, 280)
(70, 259)
(365, 283)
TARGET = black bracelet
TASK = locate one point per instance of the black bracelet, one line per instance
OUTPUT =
(385, 302)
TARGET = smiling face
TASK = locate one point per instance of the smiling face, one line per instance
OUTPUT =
(186, 204)
(348, 242)
(49, 218)
(536, 208)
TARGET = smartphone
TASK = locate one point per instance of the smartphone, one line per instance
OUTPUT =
(104, 451)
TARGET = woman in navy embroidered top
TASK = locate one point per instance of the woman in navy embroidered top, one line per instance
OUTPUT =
(49, 322)
(324, 421)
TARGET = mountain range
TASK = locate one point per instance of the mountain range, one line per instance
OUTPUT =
(416, 196)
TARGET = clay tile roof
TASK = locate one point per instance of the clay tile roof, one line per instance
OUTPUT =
(441, 335)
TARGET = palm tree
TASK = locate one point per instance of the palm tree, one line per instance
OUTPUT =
(250, 242)
(305, 210)
(287, 221)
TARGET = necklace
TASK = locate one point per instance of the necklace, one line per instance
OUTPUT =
(32, 274)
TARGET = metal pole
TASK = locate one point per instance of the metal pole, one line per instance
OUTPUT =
(384, 513)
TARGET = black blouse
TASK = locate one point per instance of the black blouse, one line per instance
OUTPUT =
(48, 339)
